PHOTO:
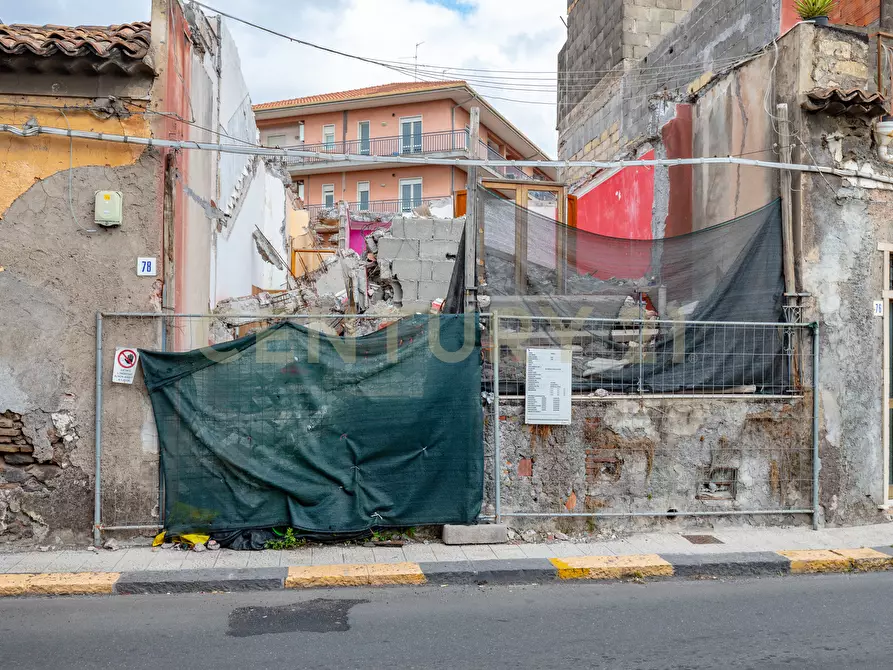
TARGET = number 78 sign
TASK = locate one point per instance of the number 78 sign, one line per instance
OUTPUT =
(146, 267)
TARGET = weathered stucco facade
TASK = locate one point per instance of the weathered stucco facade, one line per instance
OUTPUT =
(59, 268)
(838, 224)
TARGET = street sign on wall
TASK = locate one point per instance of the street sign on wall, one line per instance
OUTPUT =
(548, 387)
(125, 365)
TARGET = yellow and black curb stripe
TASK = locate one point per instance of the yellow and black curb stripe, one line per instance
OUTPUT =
(514, 571)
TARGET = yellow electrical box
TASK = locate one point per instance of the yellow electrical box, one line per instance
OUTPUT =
(109, 208)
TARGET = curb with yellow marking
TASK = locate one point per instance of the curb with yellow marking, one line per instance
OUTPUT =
(58, 584)
(814, 561)
(368, 574)
(510, 571)
(612, 567)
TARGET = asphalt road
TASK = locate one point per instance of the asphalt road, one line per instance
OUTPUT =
(835, 621)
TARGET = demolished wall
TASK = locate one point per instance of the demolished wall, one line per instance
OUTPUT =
(417, 259)
(665, 457)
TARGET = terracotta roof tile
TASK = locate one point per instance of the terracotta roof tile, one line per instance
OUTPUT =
(852, 102)
(128, 41)
(362, 93)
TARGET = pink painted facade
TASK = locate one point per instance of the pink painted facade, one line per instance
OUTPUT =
(384, 184)
(443, 122)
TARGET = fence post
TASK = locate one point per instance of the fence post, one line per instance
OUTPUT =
(473, 219)
(497, 451)
(641, 343)
(97, 499)
(816, 460)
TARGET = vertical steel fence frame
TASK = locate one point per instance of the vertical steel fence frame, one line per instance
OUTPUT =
(164, 318)
(640, 394)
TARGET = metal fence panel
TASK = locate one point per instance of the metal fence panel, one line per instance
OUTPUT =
(728, 430)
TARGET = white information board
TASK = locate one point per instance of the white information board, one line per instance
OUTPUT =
(548, 387)
(126, 359)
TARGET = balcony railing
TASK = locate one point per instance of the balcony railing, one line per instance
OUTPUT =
(376, 207)
(485, 152)
(405, 145)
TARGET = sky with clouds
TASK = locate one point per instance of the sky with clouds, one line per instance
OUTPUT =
(520, 35)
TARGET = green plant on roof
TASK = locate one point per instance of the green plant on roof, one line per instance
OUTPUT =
(813, 9)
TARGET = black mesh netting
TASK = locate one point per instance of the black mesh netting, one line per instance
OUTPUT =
(290, 427)
(678, 314)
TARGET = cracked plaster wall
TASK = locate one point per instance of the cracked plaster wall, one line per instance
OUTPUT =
(55, 277)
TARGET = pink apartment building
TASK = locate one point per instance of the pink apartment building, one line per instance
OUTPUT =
(403, 119)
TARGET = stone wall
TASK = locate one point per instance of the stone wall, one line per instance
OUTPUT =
(655, 456)
(34, 450)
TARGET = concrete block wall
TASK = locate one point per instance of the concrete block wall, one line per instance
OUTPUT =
(665, 45)
(419, 257)
(594, 45)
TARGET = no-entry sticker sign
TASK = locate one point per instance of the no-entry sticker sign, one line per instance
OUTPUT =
(125, 365)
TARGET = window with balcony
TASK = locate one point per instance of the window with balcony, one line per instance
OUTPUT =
(363, 133)
(328, 195)
(328, 137)
(410, 194)
(411, 135)
(300, 186)
(363, 195)
(301, 132)
(275, 140)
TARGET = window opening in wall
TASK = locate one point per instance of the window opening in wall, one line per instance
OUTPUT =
(363, 196)
(301, 132)
(275, 140)
(411, 135)
(363, 132)
(328, 195)
(410, 194)
(300, 188)
(328, 137)
(718, 483)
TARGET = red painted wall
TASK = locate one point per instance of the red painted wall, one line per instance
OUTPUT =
(678, 140)
(618, 211)
(621, 205)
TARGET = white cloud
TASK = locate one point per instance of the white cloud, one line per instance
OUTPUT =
(492, 34)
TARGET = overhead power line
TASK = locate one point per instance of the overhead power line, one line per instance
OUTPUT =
(505, 82)
(28, 131)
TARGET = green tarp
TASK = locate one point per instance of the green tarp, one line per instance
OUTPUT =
(290, 427)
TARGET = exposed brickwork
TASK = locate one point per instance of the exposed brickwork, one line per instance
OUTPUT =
(21, 473)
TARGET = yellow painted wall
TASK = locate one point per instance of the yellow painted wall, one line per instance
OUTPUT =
(26, 160)
(302, 238)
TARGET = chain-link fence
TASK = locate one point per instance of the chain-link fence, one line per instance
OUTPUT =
(668, 419)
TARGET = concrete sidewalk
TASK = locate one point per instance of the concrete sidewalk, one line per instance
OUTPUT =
(732, 541)
(727, 553)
